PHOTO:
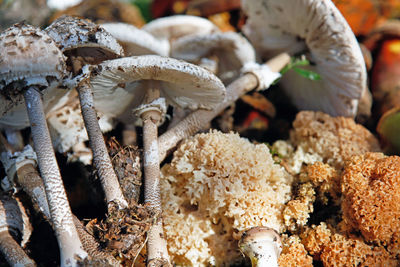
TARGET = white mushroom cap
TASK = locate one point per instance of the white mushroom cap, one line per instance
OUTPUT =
(14, 219)
(232, 50)
(136, 42)
(174, 27)
(28, 56)
(85, 37)
(317, 28)
(182, 84)
(262, 245)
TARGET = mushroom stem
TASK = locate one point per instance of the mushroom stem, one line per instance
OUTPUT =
(199, 119)
(157, 253)
(13, 252)
(101, 158)
(61, 215)
(30, 181)
(262, 245)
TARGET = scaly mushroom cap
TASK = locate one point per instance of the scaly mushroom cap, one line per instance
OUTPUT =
(86, 38)
(317, 28)
(232, 50)
(182, 84)
(28, 57)
(261, 244)
(174, 27)
(14, 219)
(136, 42)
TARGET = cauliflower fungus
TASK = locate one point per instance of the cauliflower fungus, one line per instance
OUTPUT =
(371, 197)
(316, 136)
(216, 186)
(336, 249)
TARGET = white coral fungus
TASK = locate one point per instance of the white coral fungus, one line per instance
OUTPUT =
(216, 186)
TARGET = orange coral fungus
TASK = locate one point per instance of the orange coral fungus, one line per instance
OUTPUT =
(335, 249)
(294, 254)
(326, 180)
(335, 139)
(371, 203)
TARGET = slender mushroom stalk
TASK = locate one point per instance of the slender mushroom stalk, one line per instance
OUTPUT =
(262, 245)
(21, 169)
(151, 115)
(87, 43)
(180, 84)
(13, 219)
(25, 50)
(198, 119)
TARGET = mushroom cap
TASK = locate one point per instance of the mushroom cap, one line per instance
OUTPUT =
(136, 42)
(14, 219)
(232, 50)
(85, 38)
(317, 28)
(182, 84)
(174, 27)
(258, 241)
(28, 57)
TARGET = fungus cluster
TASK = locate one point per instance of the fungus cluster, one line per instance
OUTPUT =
(216, 186)
(221, 197)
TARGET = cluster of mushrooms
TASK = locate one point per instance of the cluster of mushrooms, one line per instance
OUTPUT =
(71, 81)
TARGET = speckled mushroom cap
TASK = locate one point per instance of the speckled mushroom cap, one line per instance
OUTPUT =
(86, 38)
(28, 57)
(316, 28)
(136, 42)
(182, 84)
(232, 50)
(14, 219)
(173, 27)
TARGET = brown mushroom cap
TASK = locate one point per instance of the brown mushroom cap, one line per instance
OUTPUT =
(28, 57)
(85, 38)
(182, 84)
(317, 28)
(135, 41)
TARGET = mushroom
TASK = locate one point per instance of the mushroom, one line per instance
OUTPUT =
(228, 51)
(84, 42)
(156, 81)
(317, 29)
(231, 49)
(262, 245)
(173, 27)
(30, 63)
(136, 42)
(14, 223)
(254, 78)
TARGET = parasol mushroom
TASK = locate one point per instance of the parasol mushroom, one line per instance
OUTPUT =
(156, 81)
(31, 63)
(315, 28)
(84, 42)
(262, 245)
(258, 77)
(231, 50)
(14, 223)
(174, 27)
(136, 42)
